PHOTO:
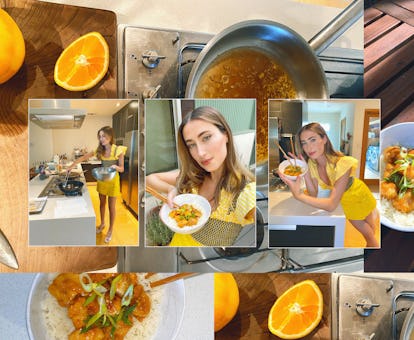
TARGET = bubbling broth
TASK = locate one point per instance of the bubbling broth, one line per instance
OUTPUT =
(248, 73)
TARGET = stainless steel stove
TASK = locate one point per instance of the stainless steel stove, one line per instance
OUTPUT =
(370, 307)
(155, 63)
(52, 189)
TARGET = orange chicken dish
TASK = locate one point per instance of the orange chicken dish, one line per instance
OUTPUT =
(397, 185)
(185, 216)
(101, 306)
(293, 170)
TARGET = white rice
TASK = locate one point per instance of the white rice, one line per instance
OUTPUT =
(403, 219)
(58, 325)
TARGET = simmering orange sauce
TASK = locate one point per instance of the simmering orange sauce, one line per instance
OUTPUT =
(248, 73)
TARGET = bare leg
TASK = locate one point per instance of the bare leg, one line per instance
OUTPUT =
(365, 229)
(102, 205)
(112, 213)
(371, 219)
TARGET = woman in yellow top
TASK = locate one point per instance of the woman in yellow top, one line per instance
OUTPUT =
(330, 169)
(209, 167)
(111, 155)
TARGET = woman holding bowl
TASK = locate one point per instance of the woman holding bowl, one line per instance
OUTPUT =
(112, 156)
(209, 167)
(331, 170)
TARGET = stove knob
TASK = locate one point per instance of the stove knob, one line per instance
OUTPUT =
(150, 92)
(151, 59)
(365, 307)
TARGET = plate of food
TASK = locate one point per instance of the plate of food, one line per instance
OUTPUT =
(60, 306)
(397, 177)
(191, 215)
(293, 168)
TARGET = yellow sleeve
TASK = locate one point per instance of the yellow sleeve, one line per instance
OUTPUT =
(246, 202)
(343, 165)
(120, 150)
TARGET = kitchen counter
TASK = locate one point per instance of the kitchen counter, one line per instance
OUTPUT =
(197, 320)
(68, 221)
(285, 213)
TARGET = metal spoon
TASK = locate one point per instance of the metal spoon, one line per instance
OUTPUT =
(7, 255)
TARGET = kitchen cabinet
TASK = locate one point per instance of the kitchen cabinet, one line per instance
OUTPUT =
(304, 225)
(119, 122)
(64, 221)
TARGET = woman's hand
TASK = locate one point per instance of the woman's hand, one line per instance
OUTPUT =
(296, 157)
(294, 186)
(113, 166)
(170, 196)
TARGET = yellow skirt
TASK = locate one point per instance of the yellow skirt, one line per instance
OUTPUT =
(111, 188)
(184, 240)
(358, 201)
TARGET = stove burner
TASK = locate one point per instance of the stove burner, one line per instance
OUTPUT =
(52, 189)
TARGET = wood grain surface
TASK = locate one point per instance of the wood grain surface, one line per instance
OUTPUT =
(388, 57)
(47, 29)
(258, 292)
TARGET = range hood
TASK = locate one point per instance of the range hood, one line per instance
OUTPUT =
(56, 114)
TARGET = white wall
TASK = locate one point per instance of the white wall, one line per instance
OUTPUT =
(40, 144)
(65, 140)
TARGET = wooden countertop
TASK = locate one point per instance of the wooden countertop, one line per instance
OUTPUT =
(389, 57)
(258, 292)
(47, 28)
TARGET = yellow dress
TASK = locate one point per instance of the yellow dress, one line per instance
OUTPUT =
(357, 200)
(225, 222)
(111, 188)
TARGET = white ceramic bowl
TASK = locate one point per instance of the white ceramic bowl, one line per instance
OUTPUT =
(398, 134)
(198, 202)
(285, 163)
(171, 309)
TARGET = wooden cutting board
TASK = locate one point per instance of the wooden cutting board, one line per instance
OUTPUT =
(47, 29)
(258, 292)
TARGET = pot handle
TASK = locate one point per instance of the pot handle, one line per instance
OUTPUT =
(325, 37)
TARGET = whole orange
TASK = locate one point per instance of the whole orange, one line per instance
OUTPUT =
(12, 49)
(226, 299)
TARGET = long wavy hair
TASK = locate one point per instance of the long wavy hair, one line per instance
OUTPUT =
(107, 130)
(192, 175)
(330, 152)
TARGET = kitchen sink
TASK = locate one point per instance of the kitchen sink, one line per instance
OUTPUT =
(369, 307)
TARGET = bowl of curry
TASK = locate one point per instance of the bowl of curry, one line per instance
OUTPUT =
(190, 215)
(293, 168)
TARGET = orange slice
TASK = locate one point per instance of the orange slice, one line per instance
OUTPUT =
(83, 63)
(297, 311)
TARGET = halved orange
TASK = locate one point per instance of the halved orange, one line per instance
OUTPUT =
(83, 63)
(297, 311)
(226, 299)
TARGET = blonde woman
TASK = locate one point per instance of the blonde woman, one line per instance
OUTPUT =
(209, 167)
(112, 156)
(331, 170)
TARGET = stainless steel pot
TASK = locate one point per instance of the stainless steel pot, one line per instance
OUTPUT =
(288, 48)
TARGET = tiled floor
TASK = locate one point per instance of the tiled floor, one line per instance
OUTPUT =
(125, 231)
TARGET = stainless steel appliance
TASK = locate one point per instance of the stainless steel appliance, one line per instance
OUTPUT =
(156, 63)
(370, 307)
(129, 178)
(52, 189)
